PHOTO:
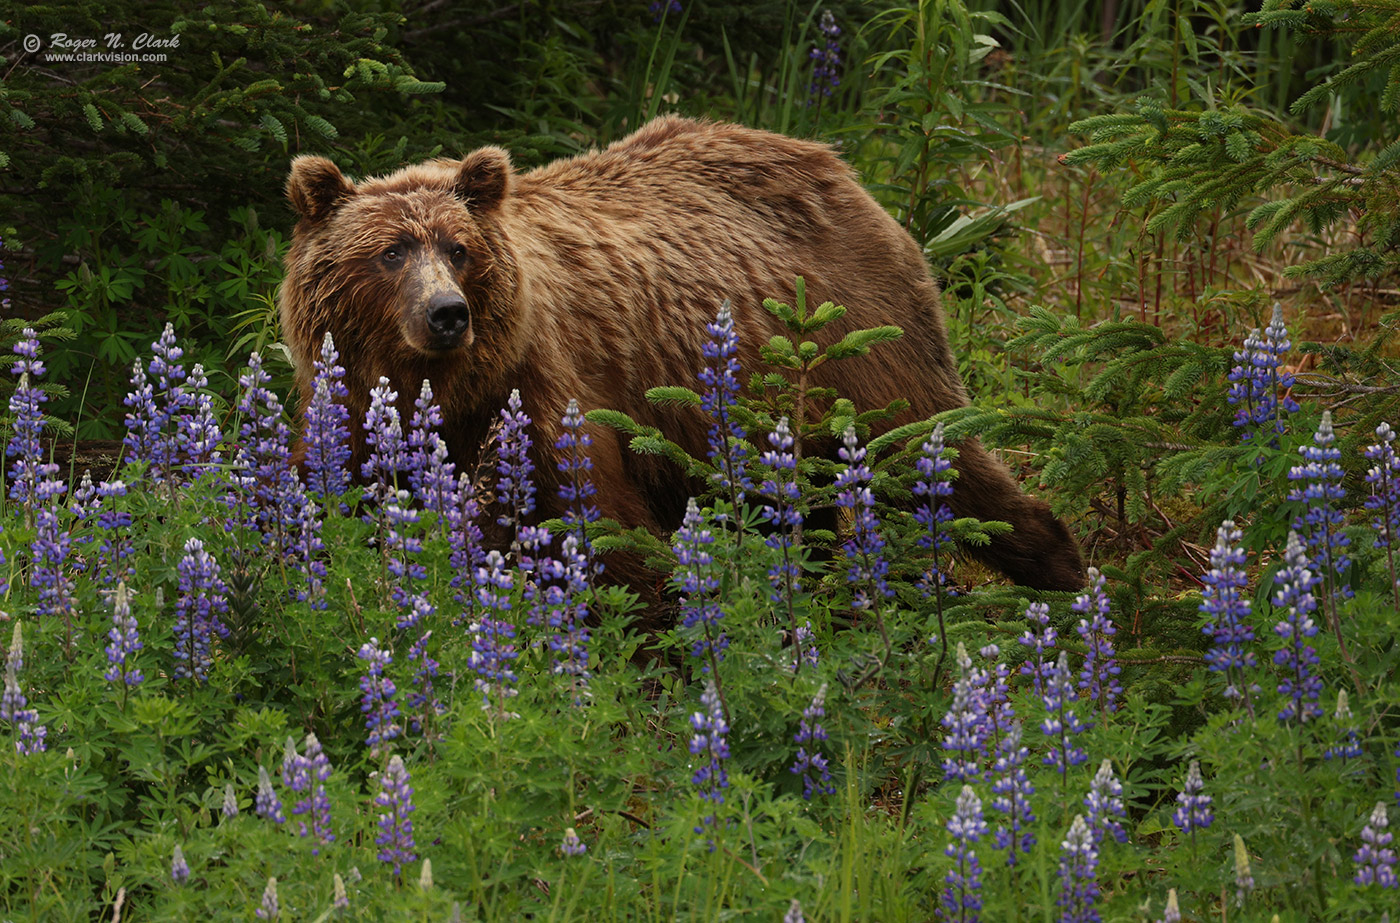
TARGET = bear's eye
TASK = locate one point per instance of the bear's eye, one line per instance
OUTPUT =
(392, 255)
(459, 253)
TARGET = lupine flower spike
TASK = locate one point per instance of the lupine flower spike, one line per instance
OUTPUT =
(179, 868)
(1012, 790)
(1041, 642)
(1320, 525)
(1194, 810)
(1258, 385)
(1384, 501)
(395, 826)
(1348, 745)
(962, 898)
(721, 380)
(1079, 887)
(811, 763)
(781, 494)
(327, 431)
(493, 635)
(1172, 912)
(697, 580)
(865, 548)
(125, 641)
(267, 804)
(966, 724)
(709, 743)
(1061, 721)
(571, 844)
(1105, 804)
(1227, 607)
(1375, 860)
(30, 735)
(1100, 672)
(269, 909)
(1300, 686)
(826, 59)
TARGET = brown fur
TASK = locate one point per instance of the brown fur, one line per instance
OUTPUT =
(593, 278)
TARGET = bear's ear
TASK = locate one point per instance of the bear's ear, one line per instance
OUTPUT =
(315, 186)
(483, 178)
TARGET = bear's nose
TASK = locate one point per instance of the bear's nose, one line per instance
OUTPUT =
(448, 315)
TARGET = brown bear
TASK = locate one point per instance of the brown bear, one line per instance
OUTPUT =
(594, 277)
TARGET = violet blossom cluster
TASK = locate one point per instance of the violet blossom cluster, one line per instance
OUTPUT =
(1038, 666)
(1061, 722)
(966, 724)
(1384, 499)
(811, 763)
(710, 744)
(781, 494)
(124, 640)
(962, 896)
(1099, 675)
(377, 700)
(1079, 886)
(28, 470)
(1193, 804)
(203, 599)
(1011, 791)
(826, 58)
(864, 550)
(326, 434)
(515, 486)
(306, 776)
(263, 473)
(30, 735)
(935, 484)
(266, 804)
(493, 634)
(1300, 685)
(1375, 859)
(721, 380)
(697, 580)
(1259, 387)
(1320, 525)
(395, 800)
(1105, 805)
(431, 475)
(576, 487)
(1227, 608)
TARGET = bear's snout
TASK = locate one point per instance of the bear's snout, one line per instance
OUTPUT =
(448, 318)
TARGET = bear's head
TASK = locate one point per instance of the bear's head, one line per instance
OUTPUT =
(404, 265)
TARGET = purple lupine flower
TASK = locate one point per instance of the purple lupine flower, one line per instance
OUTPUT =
(115, 554)
(794, 913)
(826, 59)
(1012, 790)
(721, 380)
(1194, 811)
(569, 642)
(144, 437)
(197, 430)
(1105, 804)
(515, 488)
(395, 826)
(327, 432)
(29, 470)
(230, 805)
(660, 9)
(571, 845)
(464, 538)
(388, 450)
(1384, 501)
(1300, 686)
(1348, 745)
(296, 776)
(865, 548)
(1227, 608)
(267, 804)
(263, 471)
(30, 735)
(1100, 673)
(431, 475)
(1258, 387)
(1375, 860)
(203, 598)
(377, 704)
(710, 744)
(1061, 722)
(493, 634)
(318, 769)
(805, 647)
(309, 555)
(1037, 665)
(935, 483)
(402, 546)
(576, 487)
(697, 580)
(50, 572)
(124, 642)
(423, 698)
(340, 900)
(1320, 526)
(268, 909)
(179, 868)
(811, 763)
(781, 494)
(1244, 878)
(962, 897)
(966, 722)
(1079, 886)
